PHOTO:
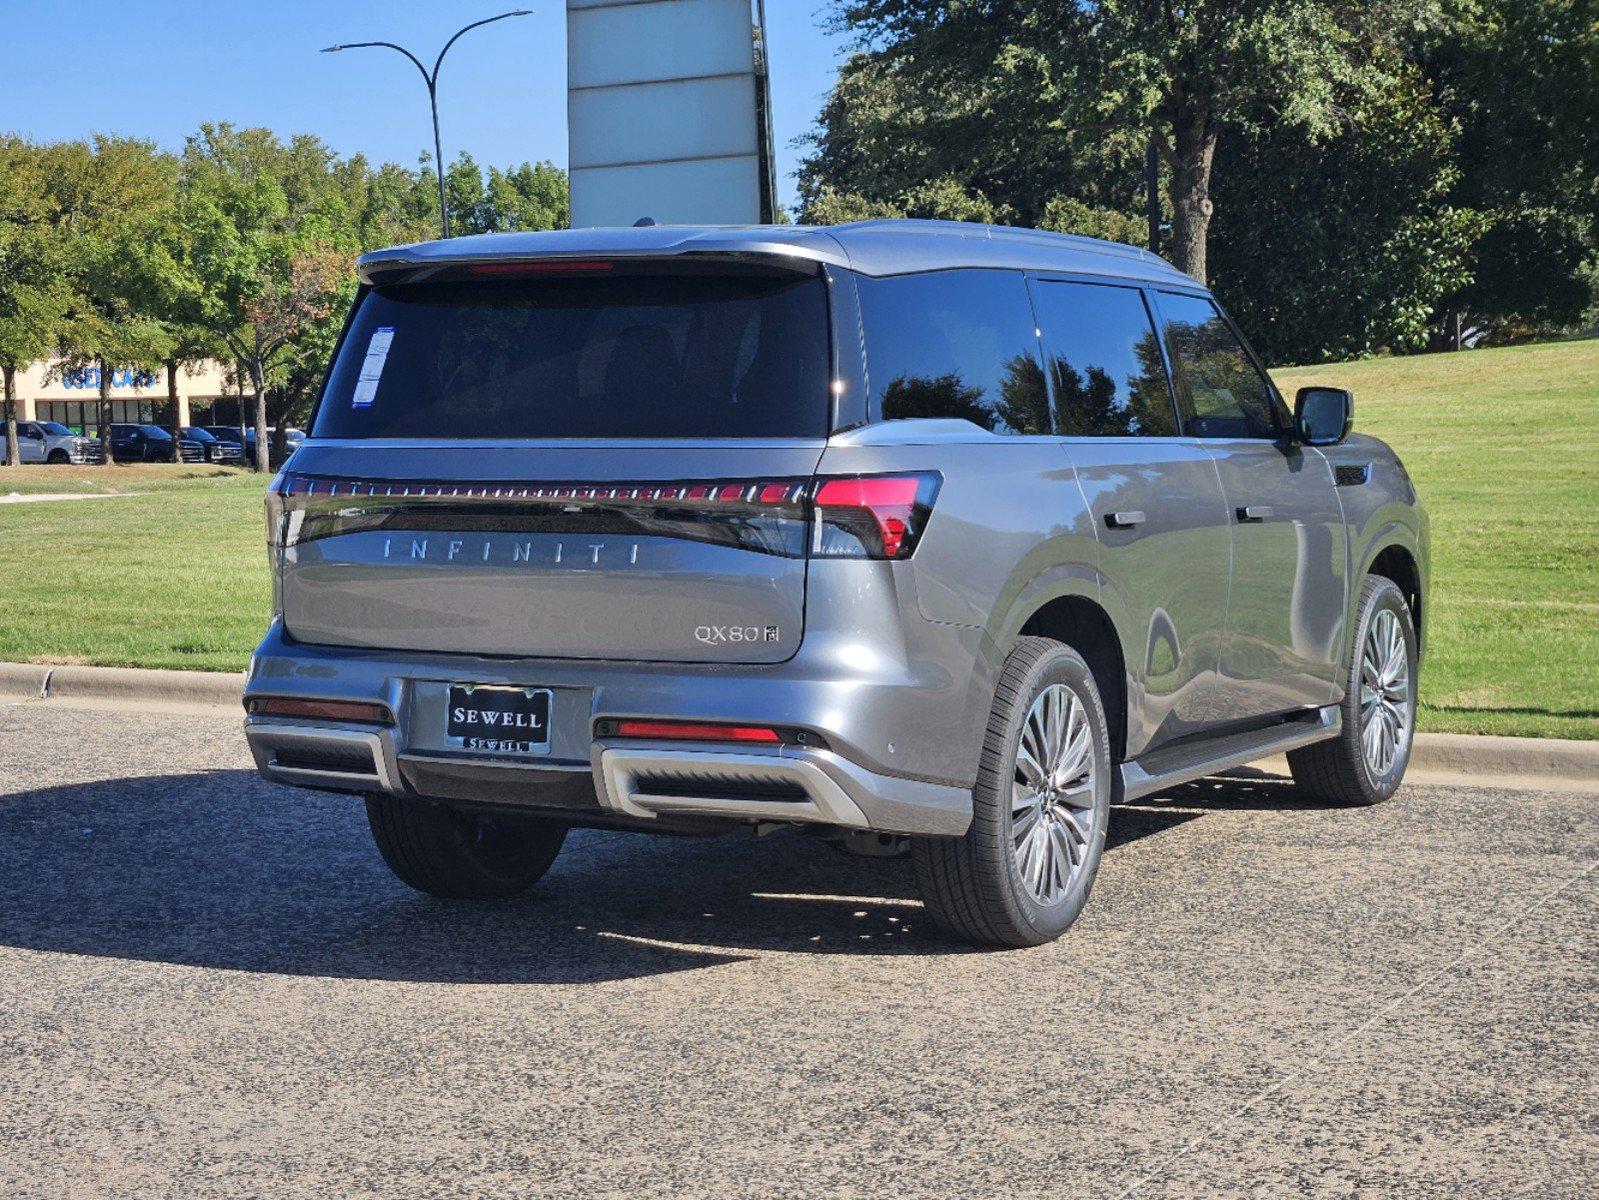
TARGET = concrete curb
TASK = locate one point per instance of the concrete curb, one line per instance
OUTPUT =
(129, 685)
(1473, 754)
(1452, 754)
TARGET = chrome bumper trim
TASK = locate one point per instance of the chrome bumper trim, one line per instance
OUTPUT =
(269, 738)
(836, 791)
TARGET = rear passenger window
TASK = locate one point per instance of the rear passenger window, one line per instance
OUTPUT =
(1225, 396)
(1110, 379)
(954, 344)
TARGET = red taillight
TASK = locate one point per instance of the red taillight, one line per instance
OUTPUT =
(696, 731)
(320, 710)
(555, 266)
(874, 516)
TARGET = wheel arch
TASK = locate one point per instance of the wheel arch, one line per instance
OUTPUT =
(1081, 622)
(1395, 555)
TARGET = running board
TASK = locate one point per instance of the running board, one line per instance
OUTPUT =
(1194, 760)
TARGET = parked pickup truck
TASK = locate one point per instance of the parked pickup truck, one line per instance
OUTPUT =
(52, 442)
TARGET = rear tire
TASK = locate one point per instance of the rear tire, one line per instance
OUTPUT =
(1366, 762)
(461, 856)
(1022, 872)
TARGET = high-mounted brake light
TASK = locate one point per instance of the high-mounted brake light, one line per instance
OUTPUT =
(553, 266)
(873, 516)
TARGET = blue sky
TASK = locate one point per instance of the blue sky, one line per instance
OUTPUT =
(157, 68)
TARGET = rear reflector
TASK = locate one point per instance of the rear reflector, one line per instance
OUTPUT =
(320, 710)
(694, 731)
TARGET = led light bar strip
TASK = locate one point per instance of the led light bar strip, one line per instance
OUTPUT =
(763, 492)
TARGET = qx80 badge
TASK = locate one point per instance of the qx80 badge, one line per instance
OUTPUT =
(713, 635)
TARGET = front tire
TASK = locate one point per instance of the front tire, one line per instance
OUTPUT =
(461, 856)
(57, 457)
(1022, 872)
(1366, 762)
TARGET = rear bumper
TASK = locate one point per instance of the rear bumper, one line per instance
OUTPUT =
(631, 784)
(634, 783)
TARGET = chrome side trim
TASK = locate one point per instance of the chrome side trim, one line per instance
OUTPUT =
(1181, 764)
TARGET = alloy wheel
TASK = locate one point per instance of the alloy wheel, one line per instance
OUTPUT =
(1052, 794)
(1386, 707)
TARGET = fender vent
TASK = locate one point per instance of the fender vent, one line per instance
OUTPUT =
(1352, 474)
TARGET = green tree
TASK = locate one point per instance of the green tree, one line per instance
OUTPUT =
(1101, 77)
(531, 196)
(1517, 77)
(35, 297)
(103, 196)
(267, 243)
(1342, 244)
(962, 119)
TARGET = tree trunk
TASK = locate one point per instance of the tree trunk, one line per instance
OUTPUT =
(172, 400)
(1193, 150)
(13, 450)
(263, 452)
(1152, 193)
(105, 411)
(241, 373)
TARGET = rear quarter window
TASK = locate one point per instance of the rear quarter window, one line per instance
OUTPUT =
(954, 344)
(624, 355)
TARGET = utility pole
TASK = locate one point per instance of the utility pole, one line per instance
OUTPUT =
(431, 78)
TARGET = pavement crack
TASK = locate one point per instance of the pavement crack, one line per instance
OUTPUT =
(1329, 1053)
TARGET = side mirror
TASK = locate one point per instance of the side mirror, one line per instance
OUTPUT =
(1323, 416)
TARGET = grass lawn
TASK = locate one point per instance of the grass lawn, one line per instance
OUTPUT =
(168, 570)
(1503, 446)
(121, 480)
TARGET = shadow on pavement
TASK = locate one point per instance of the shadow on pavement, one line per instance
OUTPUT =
(219, 869)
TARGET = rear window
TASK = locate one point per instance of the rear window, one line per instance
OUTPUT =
(622, 355)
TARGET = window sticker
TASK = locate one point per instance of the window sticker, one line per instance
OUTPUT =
(377, 353)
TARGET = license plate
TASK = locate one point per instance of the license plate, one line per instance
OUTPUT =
(498, 720)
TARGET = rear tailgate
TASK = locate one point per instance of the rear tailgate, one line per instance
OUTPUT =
(656, 554)
(567, 459)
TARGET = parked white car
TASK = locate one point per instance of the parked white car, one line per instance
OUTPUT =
(53, 442)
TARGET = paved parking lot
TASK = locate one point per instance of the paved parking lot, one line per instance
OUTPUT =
(212, 987)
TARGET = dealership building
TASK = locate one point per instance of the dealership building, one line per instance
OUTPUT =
(51, 391)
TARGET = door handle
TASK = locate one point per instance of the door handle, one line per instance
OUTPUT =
(1255, 512)
(1128, 519)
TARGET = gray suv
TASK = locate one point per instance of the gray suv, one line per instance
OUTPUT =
(916, 535)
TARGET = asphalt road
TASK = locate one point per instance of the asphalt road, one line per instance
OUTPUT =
(212, 987)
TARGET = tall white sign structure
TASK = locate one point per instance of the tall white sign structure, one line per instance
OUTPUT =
(668, 112)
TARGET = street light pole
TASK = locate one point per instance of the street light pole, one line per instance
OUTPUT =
(431, 78)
